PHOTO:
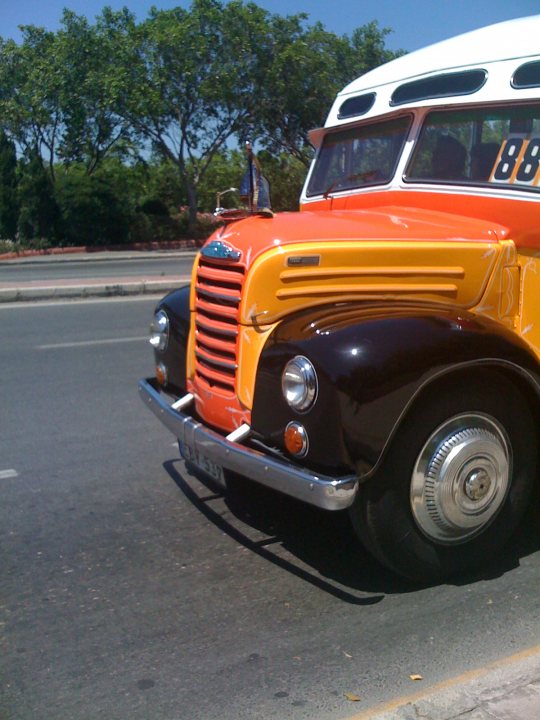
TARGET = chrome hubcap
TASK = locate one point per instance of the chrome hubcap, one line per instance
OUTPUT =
(461, 478)
(477, 485)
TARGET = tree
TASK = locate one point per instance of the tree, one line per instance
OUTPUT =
(157, 179)
(91, 130)
(187, 80)
(30, 98)
(54, 98)
(92, 212)
(286, 175)
(39, 214)
(367, 50)
(224, 172)
(309, 67)
(9, 205)
(181, 88)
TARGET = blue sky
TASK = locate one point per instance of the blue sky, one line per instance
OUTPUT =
(415, 23)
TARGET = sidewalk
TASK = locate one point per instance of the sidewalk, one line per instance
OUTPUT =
(37, 290)
(508, 689)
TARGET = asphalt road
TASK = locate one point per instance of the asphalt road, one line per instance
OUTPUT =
(47, 268)
(130, 590)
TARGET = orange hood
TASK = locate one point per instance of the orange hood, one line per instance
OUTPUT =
(255, 235)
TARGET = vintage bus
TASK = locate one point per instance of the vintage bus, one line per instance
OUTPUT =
(379, 351)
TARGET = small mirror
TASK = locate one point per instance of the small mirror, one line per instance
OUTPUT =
(219, 208)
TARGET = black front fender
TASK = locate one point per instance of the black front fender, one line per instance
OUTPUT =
(176, 305)
(373, 361)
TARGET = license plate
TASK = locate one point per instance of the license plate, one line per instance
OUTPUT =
(202, 462)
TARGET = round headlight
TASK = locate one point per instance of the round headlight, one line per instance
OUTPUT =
(159, 331)
(299, 383)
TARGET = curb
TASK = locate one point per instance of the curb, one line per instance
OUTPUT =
(33, 253)
(72, 292)
(507, 689)
(84, 257)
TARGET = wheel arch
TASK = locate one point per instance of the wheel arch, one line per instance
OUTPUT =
(480, 371)
(456, 481)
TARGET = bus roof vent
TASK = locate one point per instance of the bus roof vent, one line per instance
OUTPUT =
(439, 86)
(527, 75)
(355, 106)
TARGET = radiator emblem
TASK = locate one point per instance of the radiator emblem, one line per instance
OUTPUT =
(219, 250)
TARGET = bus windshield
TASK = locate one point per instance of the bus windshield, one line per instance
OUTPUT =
(359, 156)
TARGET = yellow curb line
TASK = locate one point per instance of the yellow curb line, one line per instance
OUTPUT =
(444, 685)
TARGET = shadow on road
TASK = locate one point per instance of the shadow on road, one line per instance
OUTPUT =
(317, 546)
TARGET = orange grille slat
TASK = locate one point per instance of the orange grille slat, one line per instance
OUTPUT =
(220, 296)
(217, 361)
(220, 347)
(209, 274)
(221, 313)
(211, 326)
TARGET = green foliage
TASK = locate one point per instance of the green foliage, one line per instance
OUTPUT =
(286, 175)
(9, 202)
(186, 80)
(308, 66)
(91, 210)
(159, 180)
(153, 206)
(7, 246)
(149, 228)
(151, 109)
(30, 102)
(91, 128)
(223, 173)
(39, 213)
(54, 97)
(367, 51)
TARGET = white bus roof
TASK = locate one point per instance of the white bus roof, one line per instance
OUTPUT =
(500, 49)
(504, 41)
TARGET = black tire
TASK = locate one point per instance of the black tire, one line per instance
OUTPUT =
(413, 533)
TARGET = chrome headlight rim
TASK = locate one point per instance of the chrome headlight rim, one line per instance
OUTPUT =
(159, 331)
(299, 384)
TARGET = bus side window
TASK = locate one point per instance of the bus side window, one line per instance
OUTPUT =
(483, 157)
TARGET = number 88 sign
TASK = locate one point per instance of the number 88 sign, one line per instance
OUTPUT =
(519, 162)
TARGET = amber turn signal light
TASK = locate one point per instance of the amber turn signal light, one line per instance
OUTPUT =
(296, 439)
(161, 374)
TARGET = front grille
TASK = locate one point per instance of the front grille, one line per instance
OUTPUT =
(218, 291)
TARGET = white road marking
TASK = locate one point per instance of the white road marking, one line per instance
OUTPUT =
(5, 474)
(86, 343)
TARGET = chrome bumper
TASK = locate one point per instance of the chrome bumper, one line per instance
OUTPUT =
(329, 493)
